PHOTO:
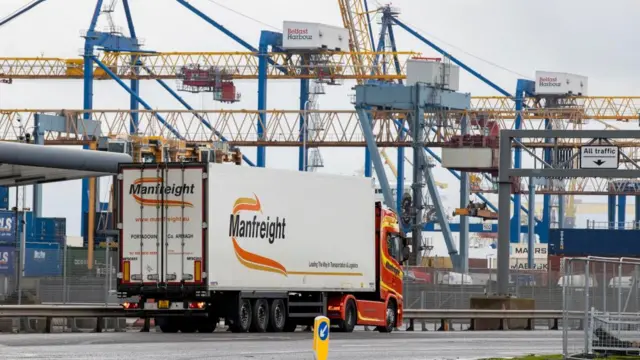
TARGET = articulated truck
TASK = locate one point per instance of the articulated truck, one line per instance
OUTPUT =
(262, 249)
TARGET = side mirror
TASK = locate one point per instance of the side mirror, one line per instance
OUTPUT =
(406, 253)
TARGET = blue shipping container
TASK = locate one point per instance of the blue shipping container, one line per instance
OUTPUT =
(594, 242)
(7, 227)
(7, 260)
(50, 226)
(47, 239)
(43, 259)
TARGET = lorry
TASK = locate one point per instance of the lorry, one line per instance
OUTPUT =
(262, 249)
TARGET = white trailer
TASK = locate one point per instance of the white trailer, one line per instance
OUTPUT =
(276, 229)
(263, 249)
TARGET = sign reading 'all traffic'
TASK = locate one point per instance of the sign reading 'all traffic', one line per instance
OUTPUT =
(599, 157)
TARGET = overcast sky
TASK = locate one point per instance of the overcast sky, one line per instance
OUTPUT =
(503, 39)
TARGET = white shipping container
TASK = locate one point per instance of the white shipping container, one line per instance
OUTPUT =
(314, 36)
(178, 219)
(520, 263)
(433, 73)
(287, 230)
(521, 251)
(558, 83)
(469, 158)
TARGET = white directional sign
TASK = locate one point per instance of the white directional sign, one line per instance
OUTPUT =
(599, 157)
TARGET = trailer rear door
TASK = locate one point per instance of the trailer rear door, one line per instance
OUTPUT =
(162, 225)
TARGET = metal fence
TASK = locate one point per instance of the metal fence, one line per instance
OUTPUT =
(65, 278)
(432, 288)
(605, 291)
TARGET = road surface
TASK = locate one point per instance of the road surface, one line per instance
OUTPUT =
(457, 345)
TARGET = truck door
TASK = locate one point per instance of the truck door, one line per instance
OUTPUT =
(183, 226)
(141, 225)
(162, 227)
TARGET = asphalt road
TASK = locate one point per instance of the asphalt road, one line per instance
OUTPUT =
(357, 345)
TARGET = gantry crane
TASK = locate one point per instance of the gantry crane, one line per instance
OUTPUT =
(362, 64)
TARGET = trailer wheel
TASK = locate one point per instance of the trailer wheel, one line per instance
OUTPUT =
(290, 325)
(390, 317)
(242, 321)
(207, 325)
(350, 317)
(167, 324)
(260, 320)
(189, 325)
(277, 316)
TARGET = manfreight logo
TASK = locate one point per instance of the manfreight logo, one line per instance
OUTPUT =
(299, 34)
(154, 186)
(255, 227)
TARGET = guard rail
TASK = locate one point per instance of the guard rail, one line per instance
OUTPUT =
(446, 315)
(115, 311)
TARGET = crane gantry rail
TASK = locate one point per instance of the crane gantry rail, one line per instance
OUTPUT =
(342, 128)
(238, 65)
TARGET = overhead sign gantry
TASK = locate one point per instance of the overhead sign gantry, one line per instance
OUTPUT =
(599, 158)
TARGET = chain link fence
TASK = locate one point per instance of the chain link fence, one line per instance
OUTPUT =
(61, 275)
(442, 288)
(603, 293)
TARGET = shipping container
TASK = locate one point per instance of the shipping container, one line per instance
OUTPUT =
(7, 227)
(4, 197)
(50, 227)
(7, 260)
(558, 83)
(313, 36)
(43, 259)
(594, 242)
(77, 264)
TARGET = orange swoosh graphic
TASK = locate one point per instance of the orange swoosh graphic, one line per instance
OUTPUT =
(257, 259)
(147, 180)
(251, 260)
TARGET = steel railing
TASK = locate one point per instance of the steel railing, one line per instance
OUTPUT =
(49, 312)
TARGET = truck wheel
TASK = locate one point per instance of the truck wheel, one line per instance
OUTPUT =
(242, 321)
(207, 325)
(350, 317)
(290, 325)
(189, 325)
(277, 316)
(167, 324)
(260, 320)
(390, 316)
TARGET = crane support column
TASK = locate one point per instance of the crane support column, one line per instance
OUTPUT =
(464, 201)
(303, 152)
(88, 105)
(622, 211)
(531, 236)
(422, 100)
(611, 212)
(561, 211)
(636, 223)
